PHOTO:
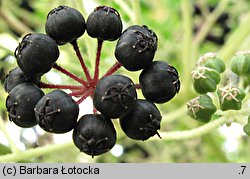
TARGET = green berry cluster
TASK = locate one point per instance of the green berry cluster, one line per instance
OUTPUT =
(216, 91)
(240, 65)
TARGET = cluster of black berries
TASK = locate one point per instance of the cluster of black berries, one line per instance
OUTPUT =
(114, 96)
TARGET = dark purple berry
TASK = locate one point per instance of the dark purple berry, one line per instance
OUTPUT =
(115, 96)
(94, 134)
(20, 104)
(160, 82)
(36, 54)
(16, 76)
(136, 48)
(104, 23)
(143, 122)
(57, 112)
(65, 24)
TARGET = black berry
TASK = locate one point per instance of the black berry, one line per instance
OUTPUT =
(136, 48)
(104, 23)
(65, 24)
(115, 96)
(20, 104)
(57, 112)
(36, 54)
(94, 134)
(16, 76)
(143, 122)
(160, 82)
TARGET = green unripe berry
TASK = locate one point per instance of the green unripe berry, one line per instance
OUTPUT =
(205, 79)
(230, 97)
(201, 108)
(246, 81)
(216, 64)
(246, 128)
(211, 60)
(240, 63)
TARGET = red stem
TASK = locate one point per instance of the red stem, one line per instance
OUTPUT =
(77, 93)
(113, 69)
(83, 97)
(53, 86)
(137, 86)
(95, 110)
(79, 55)
(97, 60)
(74, 77)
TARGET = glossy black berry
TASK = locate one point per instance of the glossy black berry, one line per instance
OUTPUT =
(104, 23)
(65, 24)
(94, 134)
(16, 76)
(36, 54)
(160, 82)
(20, 104)
(57, 112)
(143, 122)
(136, 48)
(115, 96)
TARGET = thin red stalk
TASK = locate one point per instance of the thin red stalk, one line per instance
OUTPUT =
(53, 86)
(83, 97)
(77, 93)
(113, 69)
(95, 111)
(79, 55)
(71, 75)
(97, 60)
(137, 86)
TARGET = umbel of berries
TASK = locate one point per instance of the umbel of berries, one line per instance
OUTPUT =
(201, 108)
(16, 76)
(115, 96)
(160, 82)
(57, 112)
(143, 122)
(65, 24)
(20, 104)
(36, 54)
(136, 47)
(104, 23)
(94, 134)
